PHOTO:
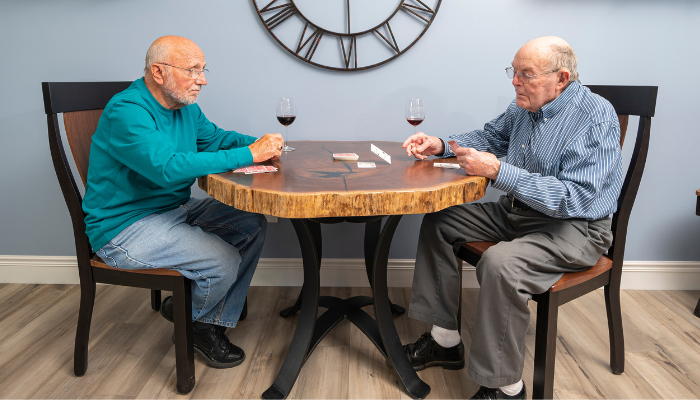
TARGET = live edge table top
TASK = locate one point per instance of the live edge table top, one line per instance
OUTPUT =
(309, 183)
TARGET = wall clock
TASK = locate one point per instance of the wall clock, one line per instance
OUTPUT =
(347, 35)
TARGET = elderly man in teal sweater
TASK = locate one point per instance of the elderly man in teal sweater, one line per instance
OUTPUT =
(151, 142)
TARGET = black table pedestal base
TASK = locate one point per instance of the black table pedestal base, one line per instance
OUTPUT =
(310, 331)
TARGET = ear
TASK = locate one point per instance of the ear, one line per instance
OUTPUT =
(158, 73)
(563, 77)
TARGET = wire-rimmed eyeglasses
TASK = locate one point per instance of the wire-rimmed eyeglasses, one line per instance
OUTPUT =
(194, 73)
(524, 78)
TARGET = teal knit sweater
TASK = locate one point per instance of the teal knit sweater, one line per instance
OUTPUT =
(144, 158)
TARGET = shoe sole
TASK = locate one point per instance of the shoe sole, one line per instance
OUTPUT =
(216, 364)
(444, 364)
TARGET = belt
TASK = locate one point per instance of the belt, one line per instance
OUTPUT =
(516, 204)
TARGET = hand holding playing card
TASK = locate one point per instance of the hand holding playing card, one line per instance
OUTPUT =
(478, 163)
(421, 146)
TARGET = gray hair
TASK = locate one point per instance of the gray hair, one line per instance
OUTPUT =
(158, 52)
(564, 57)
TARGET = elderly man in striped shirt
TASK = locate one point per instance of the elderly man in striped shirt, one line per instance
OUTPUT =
(562, 175)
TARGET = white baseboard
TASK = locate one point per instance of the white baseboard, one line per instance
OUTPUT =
(636, 275)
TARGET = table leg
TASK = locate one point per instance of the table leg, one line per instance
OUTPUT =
(315, 229)
(382, 308)
(372, 231)
(697, 309)
(298, 349)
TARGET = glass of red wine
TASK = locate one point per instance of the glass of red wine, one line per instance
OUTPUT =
(286, 114)
(415, 112)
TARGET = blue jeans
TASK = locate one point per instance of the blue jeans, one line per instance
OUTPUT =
(214, 245)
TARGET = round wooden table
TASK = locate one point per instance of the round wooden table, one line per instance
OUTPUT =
(311, 188)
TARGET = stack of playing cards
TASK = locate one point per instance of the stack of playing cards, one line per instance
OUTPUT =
(256, 169)
(445, 165)
(346, 156)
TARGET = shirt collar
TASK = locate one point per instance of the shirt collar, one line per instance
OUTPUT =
(553, 107)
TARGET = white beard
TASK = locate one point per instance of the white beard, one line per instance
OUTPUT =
(180, 98)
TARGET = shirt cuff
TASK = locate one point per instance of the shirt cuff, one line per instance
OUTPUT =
(507, 177)
(448, 152)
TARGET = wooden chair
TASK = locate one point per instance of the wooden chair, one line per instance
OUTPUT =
(627, 100)
(81, 104)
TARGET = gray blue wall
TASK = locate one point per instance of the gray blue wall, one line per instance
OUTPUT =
(457, 68)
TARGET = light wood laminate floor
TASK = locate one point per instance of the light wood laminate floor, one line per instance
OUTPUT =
(132, 356)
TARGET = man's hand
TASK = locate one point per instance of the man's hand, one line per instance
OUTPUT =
(478, 163)
(421, 146)
(268, 147)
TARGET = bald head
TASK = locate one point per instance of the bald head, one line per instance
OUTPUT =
(551, 53)
(175, 71)
(542, 69)
(171, 50)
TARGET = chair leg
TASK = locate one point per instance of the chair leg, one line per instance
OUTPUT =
(460, 265)
(697, 309)
(82, 333)
(617, 339)
(184, 350)
(155, 299)
(244, 313)
(545, 345)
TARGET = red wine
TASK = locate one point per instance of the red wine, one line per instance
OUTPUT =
(287, 120)
(414, 121)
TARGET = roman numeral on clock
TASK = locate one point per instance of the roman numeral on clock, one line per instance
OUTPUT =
(284, 12)
(420, 8)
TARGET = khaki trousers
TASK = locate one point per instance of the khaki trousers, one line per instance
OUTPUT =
(533, 253)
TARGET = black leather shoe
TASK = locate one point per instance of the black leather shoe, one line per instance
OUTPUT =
(489, 393)
(166, 308)
(425, 352)
(212, 344)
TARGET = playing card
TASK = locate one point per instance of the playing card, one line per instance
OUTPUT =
(345, 156)
(240, 170)
(365, 165)
(256, 169)
(453, 145)
(445, 165)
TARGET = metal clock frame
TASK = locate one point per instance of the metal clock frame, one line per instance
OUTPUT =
(285, 11)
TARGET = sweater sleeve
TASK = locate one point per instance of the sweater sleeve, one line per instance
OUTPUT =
(212, 138)
(135, 142)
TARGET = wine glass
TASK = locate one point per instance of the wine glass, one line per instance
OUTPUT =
(415, 112)
(286, 114)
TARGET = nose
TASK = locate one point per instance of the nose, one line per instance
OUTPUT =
(516, 80)
(201, 79)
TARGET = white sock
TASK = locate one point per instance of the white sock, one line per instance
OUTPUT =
(445, 337)
(512, 390)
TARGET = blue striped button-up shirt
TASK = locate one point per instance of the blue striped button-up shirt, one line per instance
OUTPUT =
(564, 160)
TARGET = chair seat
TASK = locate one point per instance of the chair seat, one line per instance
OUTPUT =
(568, 280)
(97, 262)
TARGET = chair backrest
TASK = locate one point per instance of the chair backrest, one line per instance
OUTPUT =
(81, 104)
(628, 100)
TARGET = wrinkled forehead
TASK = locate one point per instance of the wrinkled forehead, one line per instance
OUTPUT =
(188, 56)
(531, 58)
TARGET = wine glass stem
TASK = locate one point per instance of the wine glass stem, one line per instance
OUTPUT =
(286, 134)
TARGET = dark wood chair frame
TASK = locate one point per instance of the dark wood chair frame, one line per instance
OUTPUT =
(627, 100)
(81, 104)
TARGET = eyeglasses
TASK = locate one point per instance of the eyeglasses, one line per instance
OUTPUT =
(524, 78)
(194, 73)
